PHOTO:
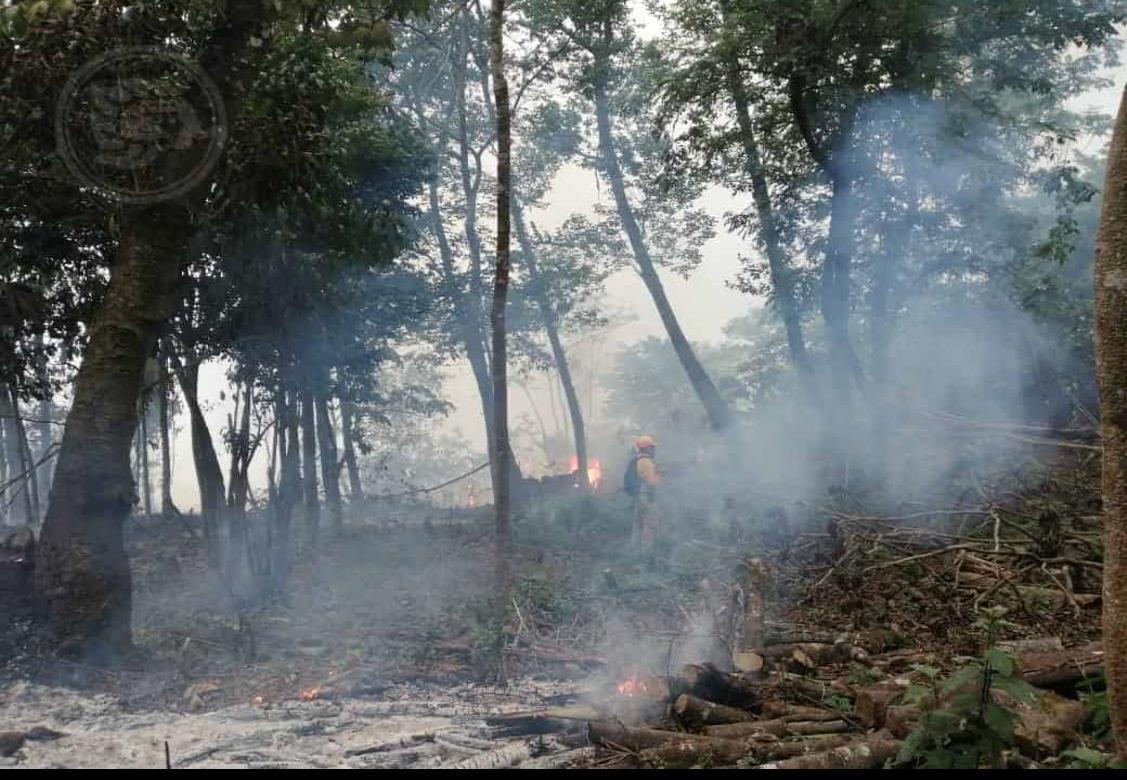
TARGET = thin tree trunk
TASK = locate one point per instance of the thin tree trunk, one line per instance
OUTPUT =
(1111, 370)
(27, 460)
(551, 327)
(146, 485)
(309, 467)
(347, 421)
(21, 493)
(330, 471)
(501, 451)
(781, 275)
(719, 415)
(239, 485)
(209, 474)
(167, 507)
(82, 573)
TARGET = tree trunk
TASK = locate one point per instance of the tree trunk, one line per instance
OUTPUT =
(719, 415)
(146, 485)
(309, 468)
(501, 451)
(330, 471)
(82, 574)
(551, 327)
(781, 275)
(209, 474)
(25, 492)
(347, 421)
(1111, 373)
(167, 507)
(238, 485)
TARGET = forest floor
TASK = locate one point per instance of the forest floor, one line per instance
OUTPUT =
(386, 635)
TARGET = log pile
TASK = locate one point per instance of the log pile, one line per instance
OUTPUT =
(829, 716)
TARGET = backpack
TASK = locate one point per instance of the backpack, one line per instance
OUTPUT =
(631, 482)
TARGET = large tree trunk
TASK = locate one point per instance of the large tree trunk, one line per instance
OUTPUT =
(1111, 370)
(501, 452)
(552, 328)
(82, 574)
(330, 471)
(347, 423)
(782, 280)
(309, 468)
(719, 415)
(209, 474)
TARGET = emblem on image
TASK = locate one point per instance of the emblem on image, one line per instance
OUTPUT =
(140, 124)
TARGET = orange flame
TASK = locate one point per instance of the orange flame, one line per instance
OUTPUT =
(309, 694)
(633, 686)
(594, 470)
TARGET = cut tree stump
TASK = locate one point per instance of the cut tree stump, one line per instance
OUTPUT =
(873, 701)
(696, 713)
(748, 611)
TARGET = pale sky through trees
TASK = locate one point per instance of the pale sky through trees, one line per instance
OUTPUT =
(704, 303)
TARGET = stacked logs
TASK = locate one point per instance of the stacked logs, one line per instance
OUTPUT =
(801, 711)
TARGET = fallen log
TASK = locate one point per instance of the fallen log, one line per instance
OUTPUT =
(559, 760)
(779, 727)
(1061, 668)
(873, 701)
(696, 713)
(868, 753)
(776, 708)
(616, 735)
(687, 754)
(502, 757)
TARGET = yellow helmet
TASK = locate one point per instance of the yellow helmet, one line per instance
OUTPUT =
(644, 442)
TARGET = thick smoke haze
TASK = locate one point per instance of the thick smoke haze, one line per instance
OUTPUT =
(705, 304)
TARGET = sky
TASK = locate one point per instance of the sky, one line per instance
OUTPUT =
(704, 303)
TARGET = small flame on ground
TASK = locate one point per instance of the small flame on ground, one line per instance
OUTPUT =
(633, 686)
(309, 694)
(594, 470)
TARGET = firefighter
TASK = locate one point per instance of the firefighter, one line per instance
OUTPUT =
(641, 482)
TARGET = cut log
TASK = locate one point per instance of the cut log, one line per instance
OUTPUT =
(817, 689)
(777, 727)
(696, 713)
(873, 700)
(615, 735)
(868, 753)
(807, 656)
(684, 754)
(1062, 668)
(707, 682)
(1044, 644)
(901, 720)
(787, 711)
(500, 758)
(563, 760)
